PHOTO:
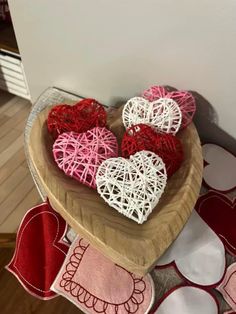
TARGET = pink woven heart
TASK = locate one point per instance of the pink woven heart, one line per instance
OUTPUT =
(184, 99)
(80, 154)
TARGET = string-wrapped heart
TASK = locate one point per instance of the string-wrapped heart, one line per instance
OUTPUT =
(80, 154)
(143, 137)
(184, 99)
(85, 115)
(164, 114)
(132, 186)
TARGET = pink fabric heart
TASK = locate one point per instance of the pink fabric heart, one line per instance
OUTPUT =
(97, 285)
(184, 99)
(220, 168)
(228, 286)
(80, 154)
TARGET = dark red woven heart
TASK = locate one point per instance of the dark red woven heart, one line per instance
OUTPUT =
(143, 137)
(86, 114)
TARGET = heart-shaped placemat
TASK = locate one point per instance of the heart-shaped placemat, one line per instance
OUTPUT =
(197, 253)
(164, 114)
(184, 99)
(219, 212)
(84, 115)
(143, 137)
(80, 154)
(40, 250)
(228, 286)
(132, 186)
(187, 300)
(219, 172)
(97, 285)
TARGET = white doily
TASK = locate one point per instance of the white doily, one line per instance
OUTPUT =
(164, 114)
(132, 186)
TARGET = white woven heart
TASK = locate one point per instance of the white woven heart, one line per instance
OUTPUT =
(132, 186)
(164, 114)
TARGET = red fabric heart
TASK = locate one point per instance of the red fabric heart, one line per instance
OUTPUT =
(84, 115)
(219, 212)
(39, 251)
(143, 137)
(219, 171)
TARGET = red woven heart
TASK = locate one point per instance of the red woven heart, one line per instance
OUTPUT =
(40, 250)
(143, 137)
(84, 115)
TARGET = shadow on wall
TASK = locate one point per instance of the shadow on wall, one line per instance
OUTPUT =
(3, 85)
(206, 121)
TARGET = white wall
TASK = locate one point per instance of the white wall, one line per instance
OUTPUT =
(110, 49)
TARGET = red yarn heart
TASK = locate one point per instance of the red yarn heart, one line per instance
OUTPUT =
(219, 212)
(84, 115)
(143, 137)
(40, 250)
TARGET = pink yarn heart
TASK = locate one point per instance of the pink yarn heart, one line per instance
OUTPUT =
(80, 154)
(184, 99)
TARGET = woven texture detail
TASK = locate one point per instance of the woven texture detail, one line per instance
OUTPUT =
(143, 137)
(164, 114)
(184, 99)
(79, 155)
(134, 186)
(84, 115)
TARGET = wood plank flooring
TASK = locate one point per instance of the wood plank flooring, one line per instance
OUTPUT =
(17, 190)
(15, 300)
(17, 195)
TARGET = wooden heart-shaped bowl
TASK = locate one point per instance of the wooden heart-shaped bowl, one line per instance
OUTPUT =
(132, 246)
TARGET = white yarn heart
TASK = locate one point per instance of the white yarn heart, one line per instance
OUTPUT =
(132, 186)
(164, 114)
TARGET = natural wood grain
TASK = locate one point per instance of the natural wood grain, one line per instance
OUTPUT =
(12, 220)
(135, 247)
(7, 240)
(17, 190)
(12, 164)
(15, 300)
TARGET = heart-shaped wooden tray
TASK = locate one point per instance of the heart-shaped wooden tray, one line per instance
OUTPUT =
(132, 246)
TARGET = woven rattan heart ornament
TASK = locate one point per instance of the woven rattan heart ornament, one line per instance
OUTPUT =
(84, 115)
(132, 186)
(80, 154)
(164, 114)
(143, 137)
(184, 99)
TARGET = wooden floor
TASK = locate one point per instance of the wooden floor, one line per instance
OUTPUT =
(17, 195)
(15, 300)
(17, 190)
